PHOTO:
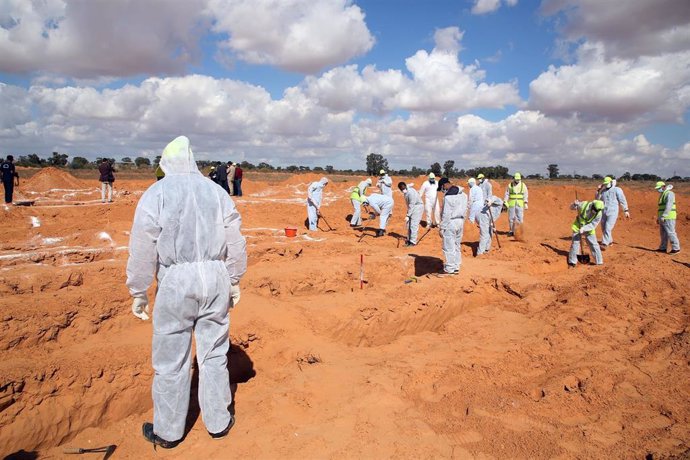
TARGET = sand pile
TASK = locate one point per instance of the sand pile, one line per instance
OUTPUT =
(53, 179)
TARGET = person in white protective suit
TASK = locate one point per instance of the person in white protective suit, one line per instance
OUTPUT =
(314, 198)
(452, 226)
(187, 230)
(613, 197)
(414, 212)
(486, 186)
(476, 200)
(355, 196)
(432, 209)
(381, 205)
(487, 220)
(385, 184)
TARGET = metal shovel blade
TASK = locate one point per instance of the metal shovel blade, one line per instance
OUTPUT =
(583, 258)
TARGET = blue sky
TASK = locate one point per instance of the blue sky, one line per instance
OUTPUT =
(512, 82)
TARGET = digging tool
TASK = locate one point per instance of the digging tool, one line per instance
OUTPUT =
(425, 234)
(582, 257)
(107, 450)
(330, 229)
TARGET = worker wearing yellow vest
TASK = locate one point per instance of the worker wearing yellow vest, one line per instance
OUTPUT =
(516, 200)
(589, 215)
(666, 218)
(358, 193)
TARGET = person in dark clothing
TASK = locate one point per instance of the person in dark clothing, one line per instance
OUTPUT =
(8, 177)
(213, 174)
(107, 178)
(237, 182)
(222, 177)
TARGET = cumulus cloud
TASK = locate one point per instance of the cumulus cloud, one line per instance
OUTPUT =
(297, 35)
(118, 38)
(489, 6)
(94, 38)
(649, 88)
(635, 70)
(629, 29)
(438, 82)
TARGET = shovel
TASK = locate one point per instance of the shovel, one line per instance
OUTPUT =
(425, 234)
(107, 450)
(330, 229)
(582, 257)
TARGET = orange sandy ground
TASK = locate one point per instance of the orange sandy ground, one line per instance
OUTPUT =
(515, 357)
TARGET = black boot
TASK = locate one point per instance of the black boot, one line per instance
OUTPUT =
(225, 432)
(380, 233)
(153, 438)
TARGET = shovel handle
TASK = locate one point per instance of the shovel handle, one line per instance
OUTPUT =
(73, 450)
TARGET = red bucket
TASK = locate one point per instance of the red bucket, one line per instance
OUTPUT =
(290, 232)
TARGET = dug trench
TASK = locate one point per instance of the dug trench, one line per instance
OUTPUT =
(516, 357)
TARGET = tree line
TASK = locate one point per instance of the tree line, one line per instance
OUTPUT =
(375, 162)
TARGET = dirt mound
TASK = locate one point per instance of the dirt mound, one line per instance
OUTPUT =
(53, 179)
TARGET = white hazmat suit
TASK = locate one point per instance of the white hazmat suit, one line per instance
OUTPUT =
(491, 210)
(385, 183)
(613, 197)
(452, 226)
(432, 210)
(383, 205)
(476, 202)
(414, 213)
(314, 198)
(186, 229)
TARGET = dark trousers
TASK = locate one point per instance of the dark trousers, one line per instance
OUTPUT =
(224, 184)
(237, 184)
(9, 190)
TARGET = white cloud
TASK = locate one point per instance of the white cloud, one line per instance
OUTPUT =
(439, 82)
(98, 37)
(297, 35)
(627, 28)
(648, 88)
(489, 6)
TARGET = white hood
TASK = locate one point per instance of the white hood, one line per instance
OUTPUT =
(177, 158)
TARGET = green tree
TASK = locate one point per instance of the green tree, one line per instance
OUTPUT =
(375, 163)
(436, 168)
(553, 171)
(449, 168)
(79, 163)
(329, 169)
(126, 160)
(141, 162)
(58, 159)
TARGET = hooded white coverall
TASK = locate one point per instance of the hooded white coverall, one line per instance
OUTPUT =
(187, 229)
(667, 220)
(516, 207)
(486, 230)
(414, 213)
(314, 197)
(486, 187)
(360, 191)
(476, 203)
(432, 210)
(383, 205)
(613, 197)
(452, 225)
(385, 183)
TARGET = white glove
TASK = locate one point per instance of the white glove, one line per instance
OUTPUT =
(140, 307)
(627, 214)
(407, 219)
(235, 294)
(526, 207)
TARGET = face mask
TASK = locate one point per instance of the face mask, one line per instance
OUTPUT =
(432, 181)
(660, 190)
(609, 185)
